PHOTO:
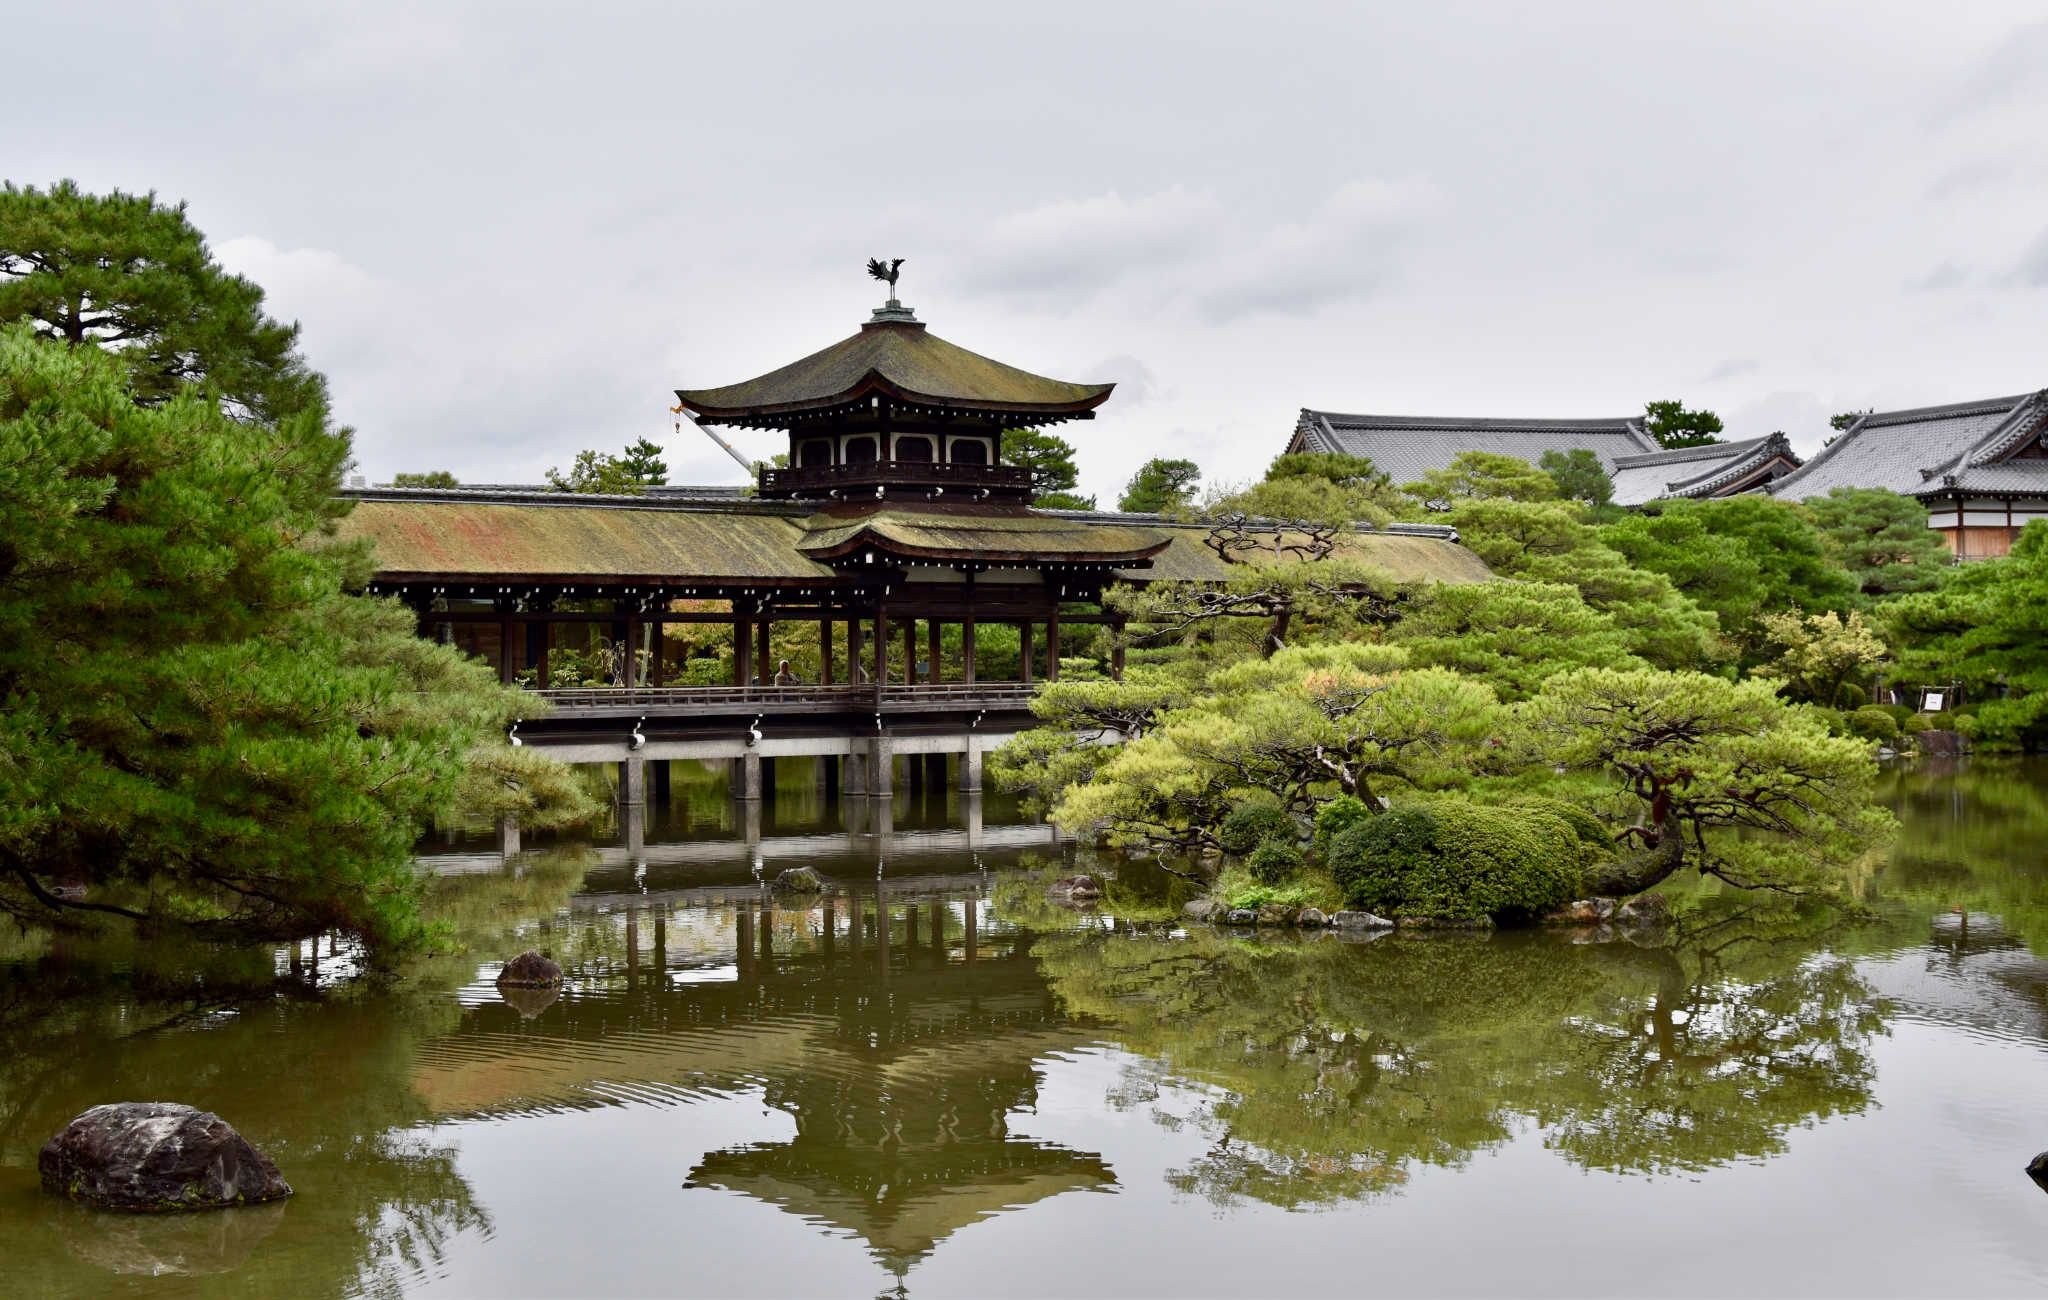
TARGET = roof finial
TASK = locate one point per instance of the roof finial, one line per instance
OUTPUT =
(887, 273)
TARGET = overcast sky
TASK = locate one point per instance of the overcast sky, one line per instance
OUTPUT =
(511, 230)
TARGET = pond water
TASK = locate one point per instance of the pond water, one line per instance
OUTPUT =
(935, 1082)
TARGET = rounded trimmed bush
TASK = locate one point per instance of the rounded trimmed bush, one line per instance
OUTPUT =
(1252, 824)
(1274, 861)
(1336, 816)
(1873, 723)
(1460, 861)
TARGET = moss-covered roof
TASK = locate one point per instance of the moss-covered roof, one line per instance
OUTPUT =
(902, 360)
(451, 538)
(931, 535)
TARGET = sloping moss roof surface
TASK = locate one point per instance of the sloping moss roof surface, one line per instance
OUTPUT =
(451, 537)
(907, 360)
(938, 536)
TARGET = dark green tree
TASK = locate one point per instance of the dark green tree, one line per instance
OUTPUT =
(1050, 458)
(197, 725)
(436, 478)
(133, 276)
(1741, 557)
(1882, 539)
(1160, 484)
(643, 461)
(1579, 476)
(1672, 424)
(1986, 628)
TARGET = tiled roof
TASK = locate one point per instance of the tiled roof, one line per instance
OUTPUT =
(942, 536)
(902, 360)
(1408, 446)
(1913, 452)
(1693, 471)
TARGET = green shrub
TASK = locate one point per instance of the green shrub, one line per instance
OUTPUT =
(1873, 723)
(1837, 722)
(1335, 817)
(1899, 712)
(1943, 721)
(1274, 861)
(1459, 860)
(1850, 697)
(1576, 822)
(1916, 723)
(1252, 824)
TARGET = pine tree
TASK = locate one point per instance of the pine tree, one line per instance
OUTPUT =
(1160, 484)
(133, 276)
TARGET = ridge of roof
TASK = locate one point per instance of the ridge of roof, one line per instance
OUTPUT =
(1441, 532)
(482, 494)
(1915, 414)
(1704, 451)
(1752, 453)
(1598, 424)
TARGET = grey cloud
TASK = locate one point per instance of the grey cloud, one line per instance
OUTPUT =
(2032, 269)
(1945, 276)
(1732, 368)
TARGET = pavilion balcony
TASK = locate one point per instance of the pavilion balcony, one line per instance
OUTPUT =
(921, 478)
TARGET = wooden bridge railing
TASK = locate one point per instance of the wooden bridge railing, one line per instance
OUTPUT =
(732, 699)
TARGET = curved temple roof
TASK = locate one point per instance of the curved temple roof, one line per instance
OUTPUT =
(899, 359)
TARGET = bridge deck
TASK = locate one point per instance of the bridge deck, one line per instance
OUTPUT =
(726, 701)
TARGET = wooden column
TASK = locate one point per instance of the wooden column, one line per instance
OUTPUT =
(881, 650)
(935, 671)
(655, 645)
(910, 653)
(824, 652)
(629, 654)
(854, 650)
(507, 667)
(742, 651)
(764, 658)
(1024, 655)
(967, 649)
(1052, 646)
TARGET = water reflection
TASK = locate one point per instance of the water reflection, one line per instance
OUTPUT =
(900, 1030)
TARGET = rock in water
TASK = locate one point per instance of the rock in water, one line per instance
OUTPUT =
(1075, 889)
(1201, 909)
(1360, 921)
(529, 970)
(2037, 1169)
(1311, 918)
(799, 880)
(153, 1156)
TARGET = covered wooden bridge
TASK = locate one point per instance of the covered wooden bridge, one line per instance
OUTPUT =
(891, 592)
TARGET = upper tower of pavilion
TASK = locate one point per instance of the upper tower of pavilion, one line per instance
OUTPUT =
(895, 410)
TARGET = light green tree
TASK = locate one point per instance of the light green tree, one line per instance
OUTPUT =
(1816, 655)
(1511, 635)
(1480, 475)
(1160, 484)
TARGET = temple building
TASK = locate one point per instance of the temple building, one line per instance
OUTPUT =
(1406, 447)
(895, 531)
(1980, 468)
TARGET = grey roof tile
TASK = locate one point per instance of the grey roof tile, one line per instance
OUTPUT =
(1408, 446)
(1910, 451)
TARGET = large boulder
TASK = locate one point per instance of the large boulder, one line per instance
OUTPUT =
(799, 880)
(1311, 918)
(529, 970)
(153, 1156)
(1202, 909)
(1359, 921)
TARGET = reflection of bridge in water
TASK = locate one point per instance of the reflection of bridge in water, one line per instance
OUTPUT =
(895, 1022)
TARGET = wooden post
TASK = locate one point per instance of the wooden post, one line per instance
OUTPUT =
(881, 650)
(1052, 646)
(742, 652)
(910, 653)
(935, 671)
(854, 650)
(764, 658)
(1024, 655)
(967, 649)
(825, 652)
(629, 654)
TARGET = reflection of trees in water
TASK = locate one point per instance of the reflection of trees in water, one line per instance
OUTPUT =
(322, 1084)
(1971, 838)
(1340, 1067)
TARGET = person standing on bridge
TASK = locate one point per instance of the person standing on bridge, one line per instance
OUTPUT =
(784, 677)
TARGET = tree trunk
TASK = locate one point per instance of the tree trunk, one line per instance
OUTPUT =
(1645, 870)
